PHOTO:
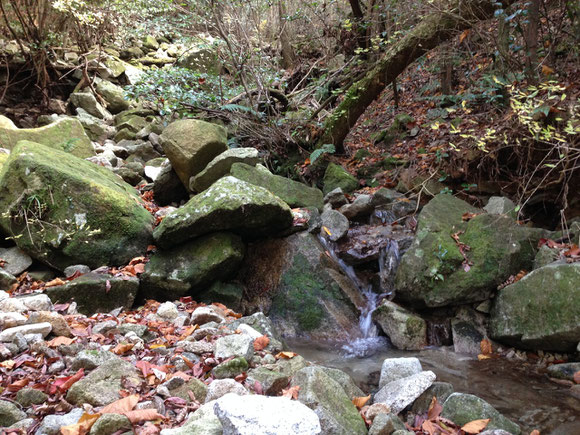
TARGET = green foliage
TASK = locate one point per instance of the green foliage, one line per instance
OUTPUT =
(324, 149)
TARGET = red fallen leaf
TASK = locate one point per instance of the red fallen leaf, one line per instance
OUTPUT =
(186, 299)
(285, 355)
(475, 426)
(431, 428)
(260, 343)
(139, 268)
(535, 432)
(151, 248)
(64, 387)
(18, 385)
(435, 409)
(241, 377)
(258, 388)
(573, 251)
(292, 392)
(136, 260)
(486, 347)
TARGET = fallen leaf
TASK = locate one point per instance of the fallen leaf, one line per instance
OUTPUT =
(71, 380)
(468, 216)
(546, 70)
(139, 415)
(327, 231)
(8, 364)
(435, 409)
(285, 355)
(464, 35)
(55, 282)
(486, 347)
(359, 402)
(18, 385)
(430, 427)
(121, 406)
(481, 357)
(577, 377)
(292, 392)
(82, 427)
(122, 348)
(260, 343)
(535, 432)
(475, 426)
(60, 340)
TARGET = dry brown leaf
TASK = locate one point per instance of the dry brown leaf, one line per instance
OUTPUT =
(464, 35)
(55, 282)
(359, 402)
(120, 406)
(435, 409)
(577, 377)
(481, 357)
(260, 343)
(292, 392)
(475, 426)
(60, 340)
(285, 355)
(546, 70)
(82, 427)
(122, 348)
(486, 347)
(8, 364)
(535, 432)
(430, 427)
(140, 415)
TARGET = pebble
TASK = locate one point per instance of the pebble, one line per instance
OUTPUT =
(8, 335)
(167, 311)
(203, 315)
(11, 319)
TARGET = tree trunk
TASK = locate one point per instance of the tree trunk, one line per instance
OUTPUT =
(437, 27)
(531, 37)
(287, 52)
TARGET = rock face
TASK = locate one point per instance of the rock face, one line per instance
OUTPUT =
(406, 330)
(325, 396)
(66, 134)
(221, 165)
(398, 394)
(433, 272)
(95, 292)
(292, 192)
(541, 310)
(336, 176)
(70, 211)
(191, 144)
(230, 204)
(15, 260)
(306, 296)
(265, 415)
(463, 408)
(177, 272)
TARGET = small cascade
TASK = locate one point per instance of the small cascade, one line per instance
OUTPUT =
(389, 259)
(382, 217)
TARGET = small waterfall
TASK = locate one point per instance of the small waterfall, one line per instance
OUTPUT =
(389, 259)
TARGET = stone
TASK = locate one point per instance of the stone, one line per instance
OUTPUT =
(236, 345)
(65, 134)
(271, 382)
(81, 269)
(375, 409)
(150, 42)
(36, 302)
(194, 386)
(153, 168)
(541, 310)
(7, 335)
(432, 272)
(11, 319)
(336, 176)
(407, 330)
(463, 408)
(385, 196)
(30, 396)
(15, 261)
(113, 95)
(24, 425)
(6, 280)
(501, 205)
(197, 347)
(394, 369)
(201, 422)
(167, 311)
(545, 256)
(564, 370)
(292, 192)
(51, 424)
(89, 104)
(345, 381)
(91, 359)
(265, 415)
(221, 387)
(361, 207)
(335, 198)
(228, 293)
(192, 266)
(230, 368)
(94, 292)
(203, 315)
(167, 187)
(59, 324)
(401, 393)
(292, 366)
(221, 165)
(11, 304)
(229, 204)
(108, 424)
(440, 390)
(466, 337)
(10, 413)
(328, 400)
(399, 208)
(336, 223)
(89, 215)
(386, 424)
(191, 144)
(103, 385)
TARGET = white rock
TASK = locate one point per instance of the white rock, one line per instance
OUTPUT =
(10, 320)
(397, 368)
(39, 302)
(402, 392)
(168, 311)
(234, 345)
(203, 315)
(263, 415)
(12, 305)
(249, 331)
(37, 328)
(4, 295)
(221, 387)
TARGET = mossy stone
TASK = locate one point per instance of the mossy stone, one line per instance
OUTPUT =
(108, 424)
(195, 386)
(230, 368)
(228, 293)
(336, 176)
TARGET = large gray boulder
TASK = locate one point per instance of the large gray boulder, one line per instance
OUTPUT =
(191, 144)
(397, 368)
(113, 95)
(15, 261)
(433, 272)
(221, 165)
(64, 210)
(192, 266)
(541, 310)
(292, 192)
(325, 396)
(407, 330)
(230, 204)
(88, 102)
(399, 394)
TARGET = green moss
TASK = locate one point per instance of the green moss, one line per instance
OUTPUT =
(336, 176)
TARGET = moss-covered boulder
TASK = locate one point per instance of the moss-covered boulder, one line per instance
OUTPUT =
(306, 297)
(406, 330)
(192, 266)
(336, 176)
(328, 400)
(113, 95)
(292, 192)
(463, 408)
(191, 144)
(66, 134)
(541, 310)
(434, 272)
(94, 292)
(229, 205)
(63, 210)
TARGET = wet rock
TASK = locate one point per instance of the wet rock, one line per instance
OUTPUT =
(104, 225)
(221, 165)
(463, 408)
(30, 396)
(221, 387)
(394, 369)
(102, 385)
(385, 424)
(336, 176)
(293, 193)
(230, 368)
(335, 198)
(385, 196)
(291, 366)
(328, 400)
(564, 370)
(110, 423)
(440, 390)
(541, 310)
(271, 382)
(406, 330)
(466, 337)
(230, 204)
(7, 335)
(65, 134)
(95, 128)
(237, 345)
(401, 393)
(10, 413)
(6, 280)
(191, 144)
(190, 267)
(203, 315)
(51, 424)
(228, 293)
(94, 292)
(361, 207)
(265, 415)
(500, 205)
(81, 269)
(336, 223)
(15, 261)
(545, 256)
(167, 187)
